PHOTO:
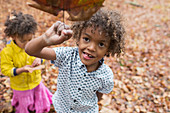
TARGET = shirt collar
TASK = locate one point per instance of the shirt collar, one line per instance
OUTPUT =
(16, 48)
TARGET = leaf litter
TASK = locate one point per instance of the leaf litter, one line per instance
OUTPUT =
(141, 75)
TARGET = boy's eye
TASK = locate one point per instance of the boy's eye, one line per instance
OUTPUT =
(101, 44)
(86, 39)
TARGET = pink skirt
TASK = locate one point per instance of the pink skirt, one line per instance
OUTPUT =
(38, 99)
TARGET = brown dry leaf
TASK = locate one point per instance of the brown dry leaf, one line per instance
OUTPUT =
(106, 99)
(120, 84)
(129, 97)
(7, 82)
(137, 79)
(140, 70)
(106, 110)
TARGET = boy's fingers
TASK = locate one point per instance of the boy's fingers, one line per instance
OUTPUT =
(67, 34)
(52, 29)
(67, 27)
(56, 26)
(60, 29)
(70, 32)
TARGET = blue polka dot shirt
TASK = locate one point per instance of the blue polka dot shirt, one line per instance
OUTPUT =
(76, 88)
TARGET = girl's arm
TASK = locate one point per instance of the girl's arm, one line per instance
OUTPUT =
(56, 34)
(7, 65)
(21, 70)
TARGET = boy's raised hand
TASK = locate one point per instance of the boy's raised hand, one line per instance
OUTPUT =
(57, 34)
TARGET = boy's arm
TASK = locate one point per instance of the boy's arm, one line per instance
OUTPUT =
(56, 34)
(99, 96)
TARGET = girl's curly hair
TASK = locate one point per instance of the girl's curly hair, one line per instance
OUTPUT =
(110, 22)
(20, 24)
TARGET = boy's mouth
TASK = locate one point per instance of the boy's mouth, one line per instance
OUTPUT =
(87, 56)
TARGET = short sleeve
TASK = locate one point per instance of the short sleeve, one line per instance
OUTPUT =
(62, 54)
(107, 83)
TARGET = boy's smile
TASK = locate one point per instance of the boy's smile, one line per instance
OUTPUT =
(87, 56)
(92, 48)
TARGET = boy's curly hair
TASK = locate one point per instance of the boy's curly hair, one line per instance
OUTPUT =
(110, 22)
(20, 24)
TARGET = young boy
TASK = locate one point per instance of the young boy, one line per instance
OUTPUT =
(82, 72)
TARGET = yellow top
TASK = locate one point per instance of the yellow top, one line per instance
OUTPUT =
(12, 57)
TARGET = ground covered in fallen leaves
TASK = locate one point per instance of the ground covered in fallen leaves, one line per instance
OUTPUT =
(141, 75)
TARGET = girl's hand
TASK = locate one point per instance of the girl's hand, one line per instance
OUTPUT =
(24, 69)
(57, 34)
(36, 62)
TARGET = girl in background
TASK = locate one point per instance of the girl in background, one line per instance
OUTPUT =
(29, 93)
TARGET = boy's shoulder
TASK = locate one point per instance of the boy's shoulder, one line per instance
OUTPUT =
(104, 71)
(65, 50)
(72, 49)
(106, 68)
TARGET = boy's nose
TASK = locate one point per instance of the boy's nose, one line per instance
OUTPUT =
(92, 47)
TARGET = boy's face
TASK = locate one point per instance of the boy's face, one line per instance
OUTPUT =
(93, 46)
(21, 42)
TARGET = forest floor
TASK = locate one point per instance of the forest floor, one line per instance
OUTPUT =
(141, 75)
